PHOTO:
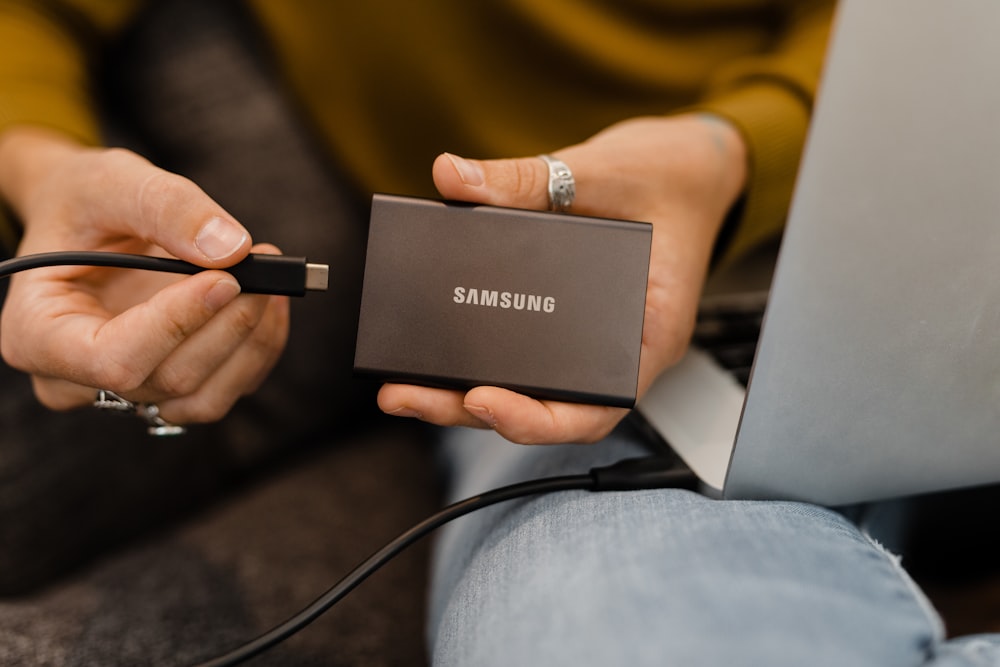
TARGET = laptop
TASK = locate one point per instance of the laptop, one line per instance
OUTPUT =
(877, 371)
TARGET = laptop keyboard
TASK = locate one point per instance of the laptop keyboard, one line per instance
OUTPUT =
(728, 327)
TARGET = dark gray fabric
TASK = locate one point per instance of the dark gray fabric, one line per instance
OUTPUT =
(237, 569)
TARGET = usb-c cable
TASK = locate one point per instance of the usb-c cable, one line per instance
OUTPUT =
(257, 274)
(656, 471)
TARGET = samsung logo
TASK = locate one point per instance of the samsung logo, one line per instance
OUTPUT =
(495, 299)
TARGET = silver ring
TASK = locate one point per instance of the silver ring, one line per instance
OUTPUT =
(149, 412)
(562, 186)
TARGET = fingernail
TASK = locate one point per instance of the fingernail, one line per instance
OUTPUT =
(484, 415)
(222, 293)
(470, 172)
(220, 238)
(406, 412)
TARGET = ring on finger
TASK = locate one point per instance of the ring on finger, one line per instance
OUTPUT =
(148, 412)
(562, 185)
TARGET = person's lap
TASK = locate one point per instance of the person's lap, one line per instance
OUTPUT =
(664, 576)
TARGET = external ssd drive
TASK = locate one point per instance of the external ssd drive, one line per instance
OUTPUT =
(547, 304)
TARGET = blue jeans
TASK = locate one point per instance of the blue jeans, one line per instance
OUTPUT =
(665, 577)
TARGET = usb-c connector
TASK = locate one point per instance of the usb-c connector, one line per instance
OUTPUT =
(279, 274)
(317, 276)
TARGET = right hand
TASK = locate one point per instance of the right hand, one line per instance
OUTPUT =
(192, 344)
(682, 174)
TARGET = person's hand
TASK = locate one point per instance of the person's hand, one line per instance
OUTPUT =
(193, 345)
(680, 173)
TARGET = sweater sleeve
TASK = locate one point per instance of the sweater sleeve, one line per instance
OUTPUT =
(46, 52)
(769, 99)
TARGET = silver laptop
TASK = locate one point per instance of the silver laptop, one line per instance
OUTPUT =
(877, 373)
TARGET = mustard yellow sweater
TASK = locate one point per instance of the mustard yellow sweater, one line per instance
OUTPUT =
(392, 83)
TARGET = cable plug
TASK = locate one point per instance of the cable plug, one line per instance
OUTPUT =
(279, 274)
(645, 472)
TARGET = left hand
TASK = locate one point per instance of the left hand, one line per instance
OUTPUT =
(680, 173)
(193, 344)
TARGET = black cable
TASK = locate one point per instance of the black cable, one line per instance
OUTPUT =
(631, 474)
(257, 274)
(293, 276)
(386, 553)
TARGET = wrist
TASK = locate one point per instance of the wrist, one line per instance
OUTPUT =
(731, 149)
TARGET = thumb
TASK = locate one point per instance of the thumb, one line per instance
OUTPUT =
(519, 182)
(172, 212)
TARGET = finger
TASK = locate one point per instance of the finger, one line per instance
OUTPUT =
(519, 183)
(166, 210)
(198, 357)
(436, 406)
(202, 353)
(516, 417)
(240, 374)
(528, 421)
(92, 348)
